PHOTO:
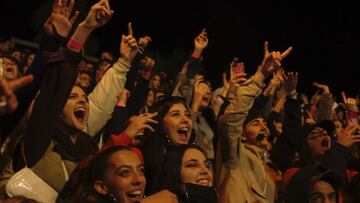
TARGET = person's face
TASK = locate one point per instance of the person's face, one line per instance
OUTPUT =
(253, 129)
(107, 56)
(322, 192)
(207, 96)
(195, 168)
(17, 55)
(155, 82)
(150, 98)
(177, 124)
(101, 71)
(124, 177)
(340, 115)
(30, 59)
(76, 109)
(83, 80)
(158, 96)
(278, 127)
(10, 69)
(318, 141)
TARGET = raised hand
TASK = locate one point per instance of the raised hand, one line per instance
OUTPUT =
(324, 87)
(201, 42)
(138, 124)
(99, 14)
(349, 102)
(347, 137)
(60, 18)
(278, 77)
(200, 89)
(272, 60)
(290, 82)
(309, 119)
(128, 46)
(7, 93)
(144, 41)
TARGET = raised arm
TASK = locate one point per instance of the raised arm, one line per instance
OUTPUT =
(242, 98)
(57, 84)
(103, 98)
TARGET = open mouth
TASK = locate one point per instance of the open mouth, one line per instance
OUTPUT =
(325, 143)
(136, 194)
(79, 113)
(9, 69)
(183, 132)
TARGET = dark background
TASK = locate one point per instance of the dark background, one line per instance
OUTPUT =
(323, 33)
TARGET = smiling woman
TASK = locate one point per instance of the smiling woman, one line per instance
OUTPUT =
(186, 168)
(115, 175)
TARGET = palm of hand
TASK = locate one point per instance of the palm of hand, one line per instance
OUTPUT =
(62, 25)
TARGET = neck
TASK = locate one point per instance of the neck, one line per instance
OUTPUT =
(73, 133)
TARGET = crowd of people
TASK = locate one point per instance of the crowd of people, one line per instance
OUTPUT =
(121, 131)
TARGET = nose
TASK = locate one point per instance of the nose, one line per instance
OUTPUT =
(205, 170)
(137, 179)
(185, 119)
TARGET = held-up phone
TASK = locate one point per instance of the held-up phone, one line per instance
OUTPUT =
(237, 67)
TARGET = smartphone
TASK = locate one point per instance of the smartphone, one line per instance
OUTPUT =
(237, 67)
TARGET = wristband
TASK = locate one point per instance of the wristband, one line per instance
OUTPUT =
(73, 44)
(120, 103)
(195, 55)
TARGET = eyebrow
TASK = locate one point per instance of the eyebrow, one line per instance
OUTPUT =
(127, 167)
(191, 160)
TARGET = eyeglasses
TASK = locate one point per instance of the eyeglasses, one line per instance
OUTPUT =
(316, 133)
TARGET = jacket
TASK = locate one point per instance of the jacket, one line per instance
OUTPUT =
(242, 175)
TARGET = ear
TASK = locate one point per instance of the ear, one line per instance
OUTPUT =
(100, 187)
(243, 137)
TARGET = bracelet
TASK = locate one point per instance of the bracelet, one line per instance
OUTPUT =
(73, 44)
(120, 103)
(195, 55)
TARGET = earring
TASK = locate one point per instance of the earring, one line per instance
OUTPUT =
(112, 198)
(167, 139)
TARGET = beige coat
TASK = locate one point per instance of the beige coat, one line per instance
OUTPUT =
(241, 174)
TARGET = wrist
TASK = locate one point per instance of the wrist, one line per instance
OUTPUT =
(196, 53)
(84, 27)
(259, 76)
(195, 107)
(121, 103)
(125, 61)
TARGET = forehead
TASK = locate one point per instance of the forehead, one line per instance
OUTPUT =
(193, 153)
(77, 90)
(322, 186)
(256, 120)
(8, 61)
(178, 107)
(124, 157)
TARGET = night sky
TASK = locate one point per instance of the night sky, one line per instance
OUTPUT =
(323, 34)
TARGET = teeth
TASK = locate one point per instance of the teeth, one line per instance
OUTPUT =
(80, 109)
(203, 182)
(183, 129)
(136, 192)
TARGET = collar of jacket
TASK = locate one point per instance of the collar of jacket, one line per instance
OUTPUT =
(261, 153)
